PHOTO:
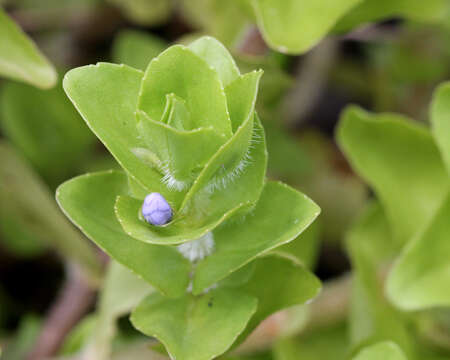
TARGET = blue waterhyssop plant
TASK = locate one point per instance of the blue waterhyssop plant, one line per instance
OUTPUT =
(191, 212)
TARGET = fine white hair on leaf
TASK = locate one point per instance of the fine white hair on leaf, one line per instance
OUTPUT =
(197, 249)
(221, 182)
(170, 181)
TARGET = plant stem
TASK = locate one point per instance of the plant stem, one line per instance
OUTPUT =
(73, 302)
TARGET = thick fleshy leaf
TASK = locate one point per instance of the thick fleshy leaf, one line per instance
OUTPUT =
(46, 128)
(181, 72)
(195, 327)
(278, 283)
(22, 193)
(88, 201)
(401, 162)
(208, 207)
(371, 249)
(122, 291)
(293, 26)
(136, 48)
(106, 96)
(280, 215)
(385, 350)
(374, 10)
(440, 118)
(20, 59)
(241, 97)
(418, 277)
(182, 154)
(217, 56)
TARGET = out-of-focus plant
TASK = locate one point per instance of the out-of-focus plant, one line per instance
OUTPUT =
(295, 26)
(407, 166)
(20, 59)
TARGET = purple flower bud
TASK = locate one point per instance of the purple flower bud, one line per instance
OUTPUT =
(156, 210)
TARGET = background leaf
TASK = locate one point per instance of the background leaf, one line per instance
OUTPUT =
(384, 350)
(416, 281)
(136, 48)
(20, 59)
(25, 195)
(46, 128)
(294, 26)
(371, 249)
(440, 118)
(374, 10)
(400, 160)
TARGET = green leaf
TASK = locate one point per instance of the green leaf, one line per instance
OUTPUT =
(440, 118)
(329, 343)
(145, 12)
(372, 318)
(122, 291)
(400, 160)
(305, 247)
(106, 97)
(180, 71)
(280, 215)
(136, 48)
(294, 26)
(205, 206)
(23, 193)
(182, 153)
(233, 177)
(46, 128)
(418, 277)
(385, 350)
(17, 236)
(374, 10)
(217, 56)
(297, 286)
(241, 97)
(20, 59)
(195, 327)
(88, 201)
(213, 17)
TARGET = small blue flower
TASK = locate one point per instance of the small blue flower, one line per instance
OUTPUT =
(156, 210)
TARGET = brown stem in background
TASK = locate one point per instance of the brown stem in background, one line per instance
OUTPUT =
(310, 79)
(252, 43)
(74, 300)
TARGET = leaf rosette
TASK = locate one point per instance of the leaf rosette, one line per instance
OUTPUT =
(187, 129)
